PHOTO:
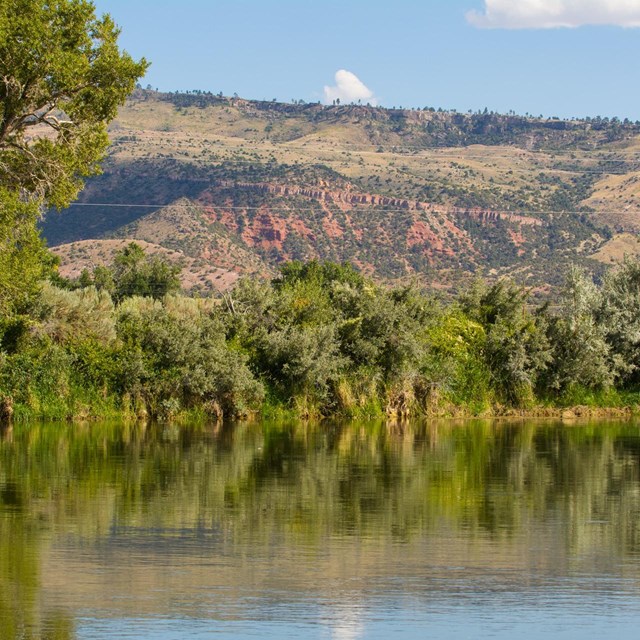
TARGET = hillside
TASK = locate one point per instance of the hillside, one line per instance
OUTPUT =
(241, 185)
(196, 275)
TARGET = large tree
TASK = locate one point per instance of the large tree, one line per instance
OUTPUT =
(62, 78)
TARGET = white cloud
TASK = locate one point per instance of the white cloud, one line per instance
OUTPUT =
(349, 88)
(551, 14)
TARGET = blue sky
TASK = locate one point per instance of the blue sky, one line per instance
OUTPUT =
(410, 53)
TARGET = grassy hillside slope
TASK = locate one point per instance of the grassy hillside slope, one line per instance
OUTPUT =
(241, 185)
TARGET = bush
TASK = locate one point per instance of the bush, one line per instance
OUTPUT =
(176, 350)
(75, 316)
(516, 349)
(581, 355)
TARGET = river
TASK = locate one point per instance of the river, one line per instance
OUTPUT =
(481, 529)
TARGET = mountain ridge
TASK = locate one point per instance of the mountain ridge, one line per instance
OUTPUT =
(438, 195)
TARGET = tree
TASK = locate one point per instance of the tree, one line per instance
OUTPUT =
(620, 317)
(515, 348)
(581, 355)
(134, 273)
(62, 78)
(23, 260)
(175, 356)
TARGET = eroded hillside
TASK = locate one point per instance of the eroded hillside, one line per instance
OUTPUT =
(240, 186)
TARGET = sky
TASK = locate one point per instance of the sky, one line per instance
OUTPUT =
(565, 58)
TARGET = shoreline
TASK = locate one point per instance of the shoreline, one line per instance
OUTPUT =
(574, 412)
(566, 413)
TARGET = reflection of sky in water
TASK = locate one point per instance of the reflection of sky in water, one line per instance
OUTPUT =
(464, 532)
(346, 622)
(583, 608)
(454, 623)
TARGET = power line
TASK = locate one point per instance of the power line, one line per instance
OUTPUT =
(423, 208)
(219, 162)
(374, 148)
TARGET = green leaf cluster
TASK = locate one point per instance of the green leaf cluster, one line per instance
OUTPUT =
(62, 79)
(133, 273)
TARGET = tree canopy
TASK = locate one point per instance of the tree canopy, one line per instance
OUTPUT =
(62, 78)
(134, 273)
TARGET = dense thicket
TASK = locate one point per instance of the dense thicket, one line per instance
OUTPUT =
(63, 78)
(319, 339)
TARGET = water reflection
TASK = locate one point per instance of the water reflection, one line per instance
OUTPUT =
(111, 529)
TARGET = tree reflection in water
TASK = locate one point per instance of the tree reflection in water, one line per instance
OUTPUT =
(120, 520)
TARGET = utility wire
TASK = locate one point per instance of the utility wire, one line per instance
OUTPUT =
(357, 204)
(219, 162)
(373, 148)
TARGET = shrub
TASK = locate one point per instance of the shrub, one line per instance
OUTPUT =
(177, 350)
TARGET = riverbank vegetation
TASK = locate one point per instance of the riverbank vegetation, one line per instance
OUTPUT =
(318, 340)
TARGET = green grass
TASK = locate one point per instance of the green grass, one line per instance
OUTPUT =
(602, 398)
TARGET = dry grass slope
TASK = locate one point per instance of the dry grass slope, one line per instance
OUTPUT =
(249, 184)
(195, 276)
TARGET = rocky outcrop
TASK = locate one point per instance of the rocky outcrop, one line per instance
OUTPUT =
(353, 198)
(342, 219)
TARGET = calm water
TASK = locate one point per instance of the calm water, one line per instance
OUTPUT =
(473, 530)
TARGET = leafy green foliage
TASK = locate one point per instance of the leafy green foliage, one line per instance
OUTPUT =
(132, 273)
(455, 364)
(515, 350)
(620, 316)
(63, 80)
(321, 339)
(135, 274)
(581, 357)
(23, 258)
(174, 355)
(75, 316)
(323, 327)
